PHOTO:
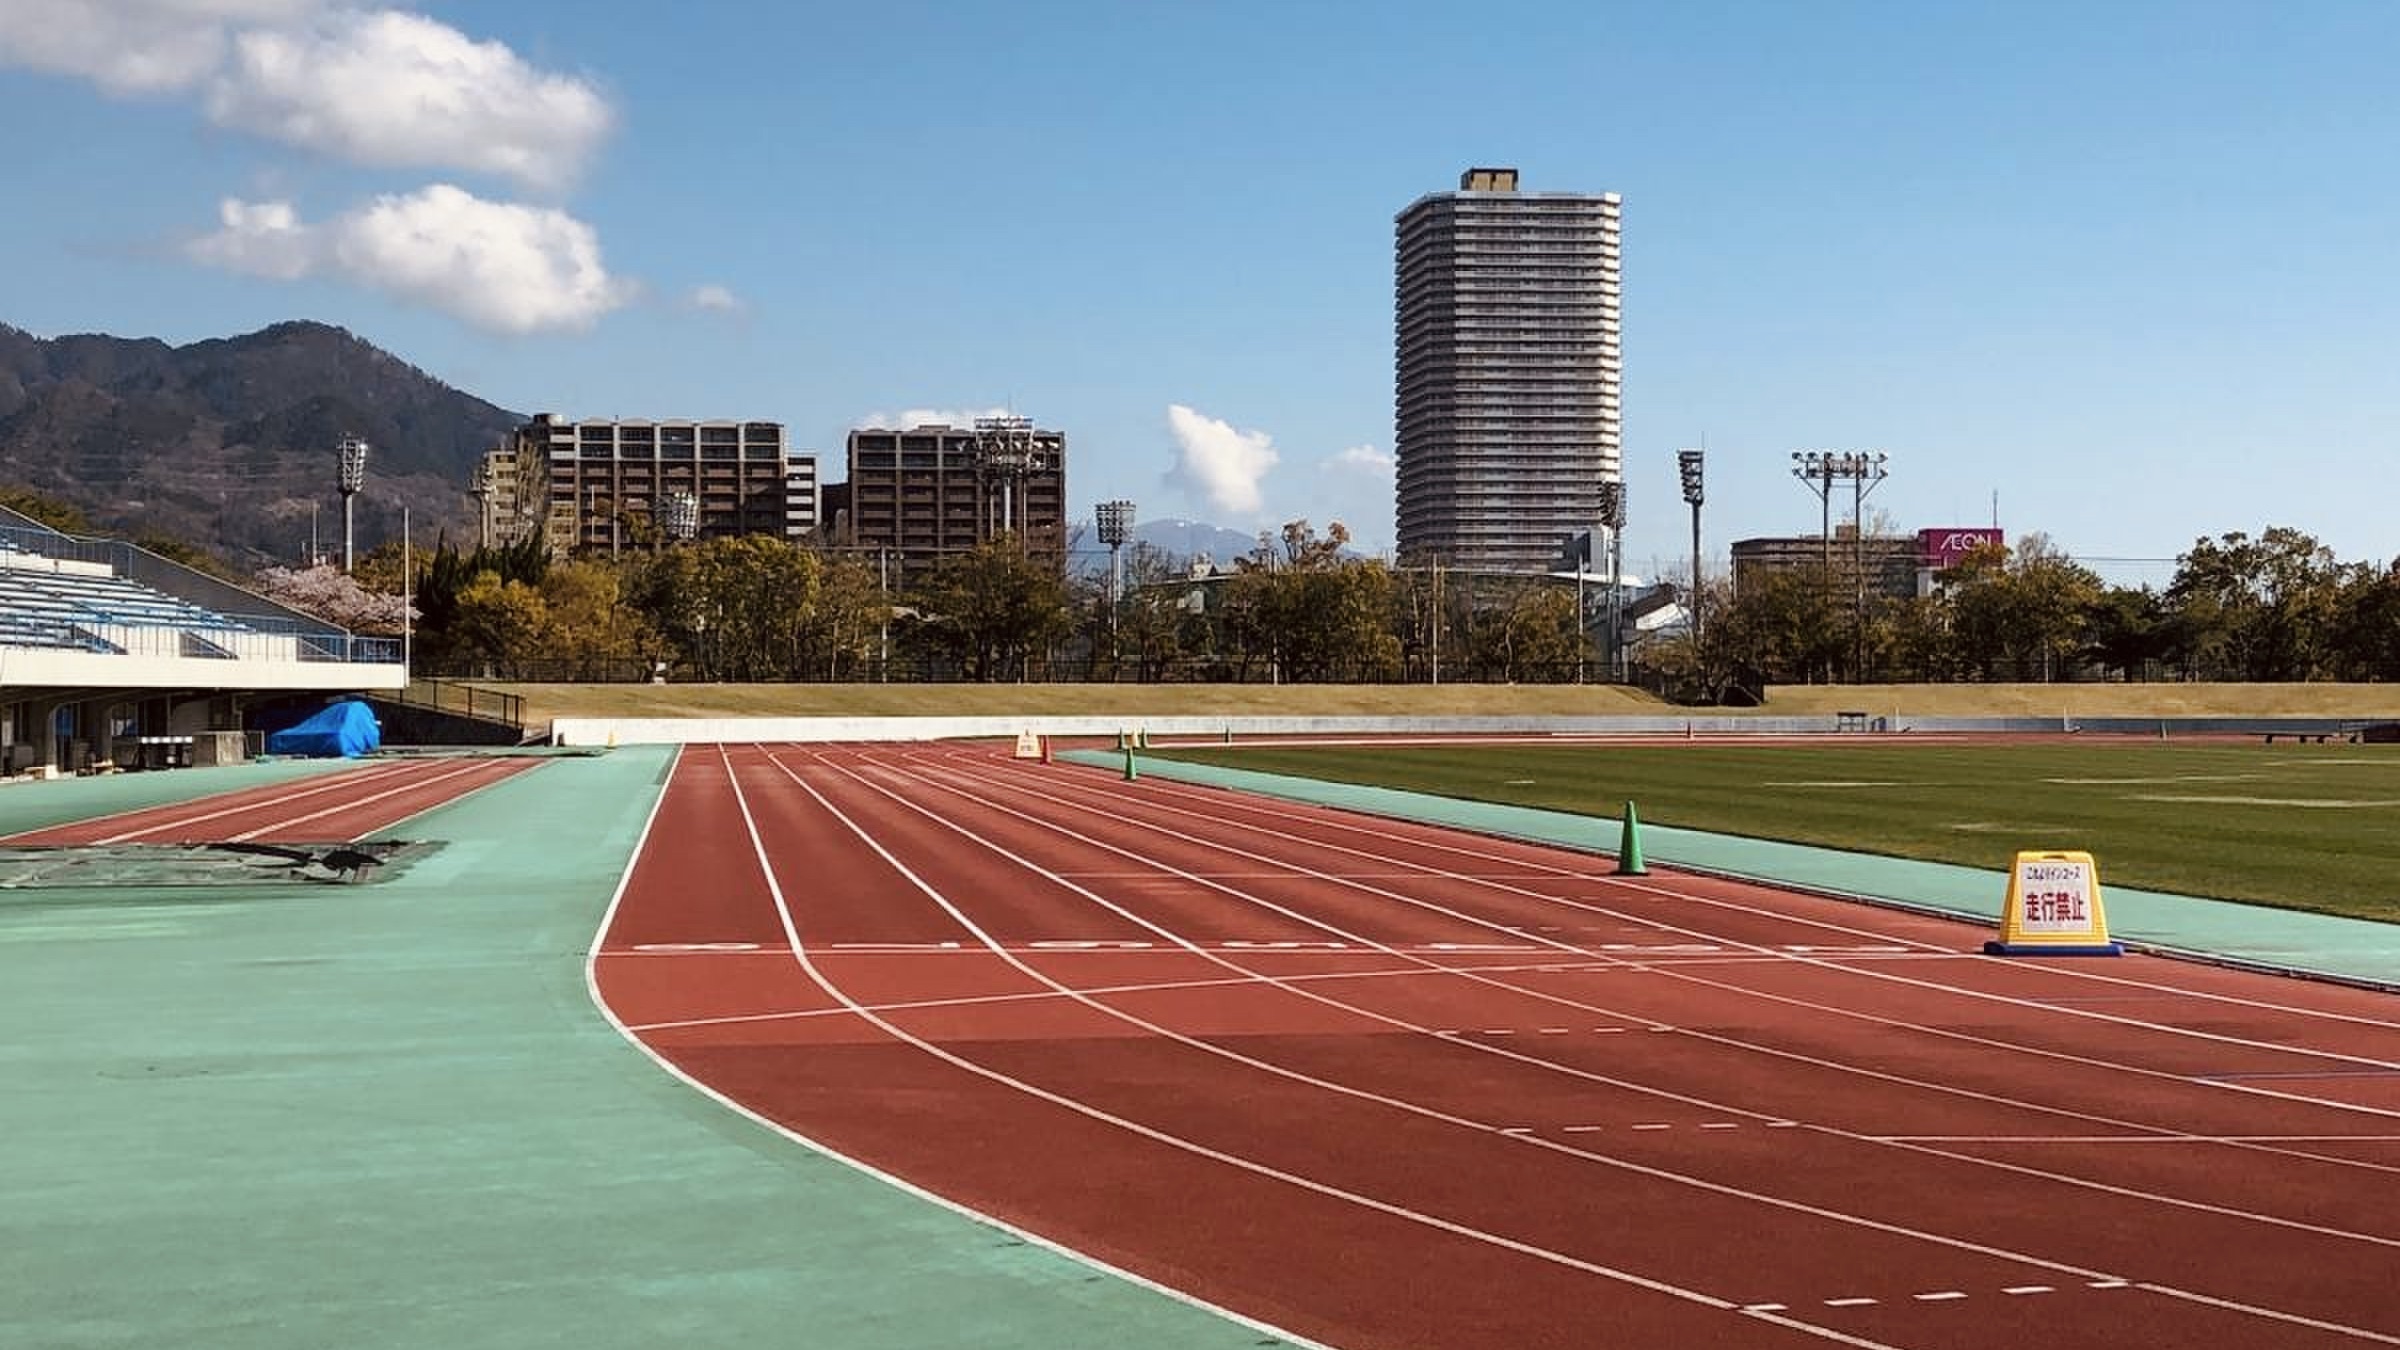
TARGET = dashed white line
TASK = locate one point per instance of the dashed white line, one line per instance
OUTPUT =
(1849, 1303)
(2030, 1289)
(1939, 1295)
(2111, 1284)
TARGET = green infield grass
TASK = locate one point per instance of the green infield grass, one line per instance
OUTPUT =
(2306, 827)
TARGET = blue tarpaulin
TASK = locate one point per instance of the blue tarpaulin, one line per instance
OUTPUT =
(348, 729)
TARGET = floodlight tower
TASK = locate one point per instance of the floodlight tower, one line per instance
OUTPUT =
(1115, 520)
(351, 477)
(1612, 515)
(1862, 470)
(1691, 464)
(679, 513)
(1004, 454)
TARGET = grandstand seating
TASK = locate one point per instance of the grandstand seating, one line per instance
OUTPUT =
(47, 604)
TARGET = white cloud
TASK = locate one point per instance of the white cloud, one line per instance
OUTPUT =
(392, 88)
(1361, 459)
(1217, 463)
(133, 46)
(501, 266)
(925, 417)
(716, 300)
(376, 87)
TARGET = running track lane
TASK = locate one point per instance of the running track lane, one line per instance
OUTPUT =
(1382, 1085)
(349, 805)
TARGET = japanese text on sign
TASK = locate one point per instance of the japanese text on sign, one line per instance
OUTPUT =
(2056, 896)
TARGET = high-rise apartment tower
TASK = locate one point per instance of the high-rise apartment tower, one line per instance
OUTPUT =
(1508, 364)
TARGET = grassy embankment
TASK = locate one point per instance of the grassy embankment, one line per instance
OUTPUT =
(546, 701)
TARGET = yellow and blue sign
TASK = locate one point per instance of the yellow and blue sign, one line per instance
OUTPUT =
(2054, 908)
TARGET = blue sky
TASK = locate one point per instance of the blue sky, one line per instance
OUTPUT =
(2127, 268)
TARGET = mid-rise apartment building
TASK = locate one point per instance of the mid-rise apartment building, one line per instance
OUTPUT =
(609, 484)
(921, 493)
(1508, 365)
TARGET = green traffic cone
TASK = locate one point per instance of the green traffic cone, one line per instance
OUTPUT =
(1629, 846)
(1131, 772)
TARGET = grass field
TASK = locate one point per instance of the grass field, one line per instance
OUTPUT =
(2308, 827)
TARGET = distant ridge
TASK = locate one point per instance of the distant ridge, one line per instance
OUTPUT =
(1186, 539)
(228, 443)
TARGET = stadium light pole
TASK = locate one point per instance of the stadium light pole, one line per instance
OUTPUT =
(1862, 470)
(1612, 515)
(1004, 452)
(350, 476)
(679, 512)
(1115, 522)
(1691, 464)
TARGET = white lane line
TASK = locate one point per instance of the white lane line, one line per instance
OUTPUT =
(1765, 1307)
(1938, 1296)
(951, 788)
(430, 780)
(2111, 1284)
(1584, 1129)
(1720, 1125)
(258, 798)
(1750, 909)
(1654, 1126)
(1217, 817)
(2022, 1289)
(591, 986)
(801, 955)
(1849, 1303)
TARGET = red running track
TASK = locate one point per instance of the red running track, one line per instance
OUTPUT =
(346, 805)
(1379, 1085)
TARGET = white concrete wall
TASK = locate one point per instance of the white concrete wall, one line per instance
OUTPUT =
(42, 667)
(596, 731)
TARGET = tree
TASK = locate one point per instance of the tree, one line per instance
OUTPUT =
(498, 622)
(2020, 613)
(2366, 644)
(991, 609)
(1149, 622)
(2258, 609)
(588, 630)
(1781, 626)
(334, 596)
(852, 614)
(64, 517)
(1527, 632)
(2128, 631)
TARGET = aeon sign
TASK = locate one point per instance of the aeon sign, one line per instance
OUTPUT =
(1939, 548)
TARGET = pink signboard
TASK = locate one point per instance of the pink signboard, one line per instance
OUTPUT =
(1942, 548)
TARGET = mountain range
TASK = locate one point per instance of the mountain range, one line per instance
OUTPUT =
(229, 444)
